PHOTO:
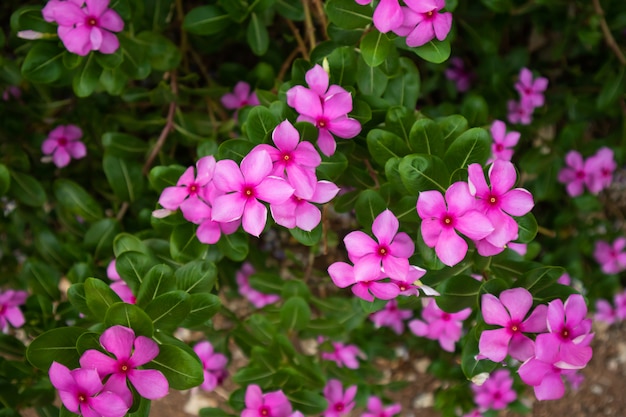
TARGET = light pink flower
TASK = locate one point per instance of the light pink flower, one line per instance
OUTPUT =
(620, 305)
(123, 291)
(503, 142)
(411, 285)
(531, 90)
(130, 352)
(325, 107)
(440, 325)
(391, 316)
(611, 257)
(375, 408)
(546, 379)
(442, 218)
(10, 313)
(85, 26)
(599, 168)
(340, 403)
(344, 355)
(299, 212)
(509, 311)
(459, 74)
(63, 143)
(240, 97)
(257, 298)
(271, 404)
(575, 174)
(343, 276)
(213, 364)
(564, 279)
(423, 22)
(519, 112)
(81, 392)
(605, 312)
(496, 393)
(244, 186)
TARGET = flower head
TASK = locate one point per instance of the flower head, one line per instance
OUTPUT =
(391, 316)
(375, 408)
(10, 313)
(63, 143)
(459, 74)
(503, 142)
(344, 355)
(213, 364)
(340, 403)
(271, 404)
(496, 393)
(423, 22)
(531, 90)
(240, 97)
(611, 256)
(440, 325)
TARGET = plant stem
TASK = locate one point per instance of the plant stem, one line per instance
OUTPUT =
(608, 37)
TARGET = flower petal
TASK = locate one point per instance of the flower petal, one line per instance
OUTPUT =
(149, 383)
(119, 341)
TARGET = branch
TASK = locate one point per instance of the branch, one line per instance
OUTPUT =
(308, 24)
(608, 37)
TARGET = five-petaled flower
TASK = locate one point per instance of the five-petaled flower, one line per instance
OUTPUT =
(424, 21)
(340, 403)
(63, 143)
(213, 364)
(271, 404)
(10, 313)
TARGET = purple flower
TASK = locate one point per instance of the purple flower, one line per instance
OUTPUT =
(509, 312)
(258, 299)
(340, 403)
(496, 393)
(611, 257)
(531, 90)
(502, 141)
(81, 392)
(240, 97)
(567, 343)
(344, 355)
(85, 25)
(243, 187)
(63, 143)
(130, 352)
(272, 404)
(343, 276)
(391, 316)
(375, 408)
(442, 218)
(459, 74)
(213, 364)
(391, 252)
(10, 313)
(440, 325)
(423, 22)
(299, 212)
(325, 107)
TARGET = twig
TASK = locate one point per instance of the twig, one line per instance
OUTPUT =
(122, 212)
(308, 25)
(287, 64)
(299, 40)
(372, 173)
(546, 232)
(321, 16)
(608, 37)
(169, 124)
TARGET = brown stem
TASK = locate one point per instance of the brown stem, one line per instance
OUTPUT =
(308, 25)
(546, 232)
(321, 16)
(608, 37)
(296, 34)
(122, 212)
(372, 172)
(287, 64)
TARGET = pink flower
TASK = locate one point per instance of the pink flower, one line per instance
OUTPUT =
(459, 74)
(123, 291)
(272, 404)
(240, 97)
(500, 200)
(600, 169)
(11, 91)
(340, 403)
(81, 392)
(120, 341)
(299, 212)
(257, 298)
(502, 142)
(564, 279)
(442, 218)
(375, 408)
(411, 285)
(531, 90)
(344, 355)
(575, 174)
(112, 273)
(473, 413)
(611, 257)
(423, 22)
(496, 393)
(243, 187)
(440, 325)
(605, 312)
(509, 312)
(567, 343)
(325, 107)
(620, 305)
(546, 379)
(85, 28)
(214, 365)
(63, 143)
(391, 316)
(387, 16)
(391, 252)
(343, 276)
(10, 313)
(519, 112)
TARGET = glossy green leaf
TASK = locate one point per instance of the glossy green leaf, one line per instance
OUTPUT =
(76, 295)
(469, 364)
(347, 14)
(182, 369)
(158, 281)
(235, 149)
(202, 308)
(306, 238)
(99, 297)
(126, 242)
(135, 64)
(129, 315)
(206, 20)
(368, 206)
(458, 292)
(100, 236)
(41, 278)
(342, 65)
(77, 200)
(86, 78)
(235, 247)
(527, 228)
(295, 314)
(27, 189)
(375, 47)
(43, 63)
(308, 402)
(196, 277)
(332, 167)
(257, 35)
(427, 138)
(184, 245)
(472, 146)
(372, 81)
(451, 127)
(168, 310)
(475, 109)
(260, 124)
(383, 145)
(55, 345)
(539, 278)
(132, 267)
(164, 55)
(125, 177)
(434, 51)
(420, 172)
(161, 177)
(404, 88)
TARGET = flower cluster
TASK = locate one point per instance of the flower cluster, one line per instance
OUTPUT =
(531, 96)
(63, 143)
(440, 325)
(10, 313)
(595, 173)
(100, 386)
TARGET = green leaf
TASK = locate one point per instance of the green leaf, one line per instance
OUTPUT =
(43, 63)
(469, 364)
(161, 177)
(259, 124)
(125, 242)
(135, 65)
(86, 78)
(76, 295)
(420, 172)
(164, 55)
(196, 277)
(11, 346)
(100, 235)
(308, 402)
(182, 369)
(527, 228)
(129, 315)
(612, 89)
(253, 375)
(132, 267)
(372, 81)
(125, 177)
(434, 51)
(257, 36)
(383, 145)
(370, 307)
(498, 6)
(55, 345)
(235, 149)
(158, 281)
(27, 189)
(368, 206)
(311, 238)
(404, 89)
(99, 297)
(167, 311)
(347, 14)
(375, 47)
(123, 145)
(266, 282)
(184, 245)
(475, 109)
(458, 292)
(110, 61)
(41, 278)
(290, 9)
(76, 200)
(206, 20)
(114, 81)
(473, 146)
(342, 65)
(5, 179)
(295, 314)
(235, 246)
(451, 127)
(332, 167)
(540, 278)
(426, 137)
(238, 10)
(202, 308)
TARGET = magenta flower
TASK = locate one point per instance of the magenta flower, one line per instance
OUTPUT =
(620, 305)
(375, 408)
(130, 352)
(257, 298)
(299, 212)
(387, 15)
(81, 392)
(599, 168)
(63, 143)
(519, 112)
(243, 187)
(10, 313)
(85, 25)
(499, 201)
(564, 279)
(503, 142)
(240, 97)
(423, 22)
(391, 316)
(123, 291)
(509, 312)
(298, 160)
(213, 364)
(112, 273)
(440, 325)
(272, 404)
(459, 74)
(473, 413)
(340, 403)
(410, 285)
(574, 175)
(567, 343)
(531, 90)
(605, 312)
(325, 107)
(344, 355)
(611, 257)
(391, 252)
(546, 379)
(343, 276)
(442, 218)
(496, 393)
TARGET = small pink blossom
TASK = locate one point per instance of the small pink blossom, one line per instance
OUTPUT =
(459, 74)
(440, 325)
(257, 298)
(340, 403)
(10, 313)
(600, 168)
(123, 291)
(519, 112)
(410, 285)
(423, 22)
(387, 15)
(531, 90)
(213, 364)
(375, 408)
(503, 142)
(299, 212)
(546, 378)
(344, 355)
(574, 175)
(271, 404)
(63, 143)
(620, 305)
(391, 316)
(343, 276)
(496, 393)
(605, 312)
(240, 97)
(611, 256)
